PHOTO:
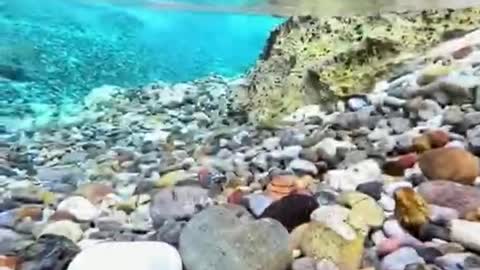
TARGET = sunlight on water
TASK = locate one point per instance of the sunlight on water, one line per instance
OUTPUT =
(56, 52)
(299, 7)
(62, 49)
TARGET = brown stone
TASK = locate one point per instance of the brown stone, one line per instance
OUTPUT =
(453, 164)
(473, 215)
(9, 262)
(62, 215)
(438, 138)
(411, 210)
(462, 52)
(32, 212)
(464, 199)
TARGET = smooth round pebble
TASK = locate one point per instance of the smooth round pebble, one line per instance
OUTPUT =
(390, 188)
(79, 207)
(400, 258)
(127, 256)
(66, 228)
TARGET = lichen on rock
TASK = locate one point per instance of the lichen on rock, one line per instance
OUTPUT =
(310, 60)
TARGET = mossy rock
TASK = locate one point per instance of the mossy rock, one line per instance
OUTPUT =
(320, 242)
(310, 60)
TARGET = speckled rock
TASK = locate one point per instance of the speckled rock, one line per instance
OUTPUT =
(452, 195)
(51, 252)
(228, 238)
(291, 210)
(348, 179)
(169, 232)
(363, 208)
(334, 217)
(180, 202)
(276, 88)
(320, 242)
(410, 209)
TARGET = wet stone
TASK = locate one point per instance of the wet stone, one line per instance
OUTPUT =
(372, 189)
(49, 252)
(429, 254)
(291, 211)
(471, 119)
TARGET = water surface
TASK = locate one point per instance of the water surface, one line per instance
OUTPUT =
(60, 49)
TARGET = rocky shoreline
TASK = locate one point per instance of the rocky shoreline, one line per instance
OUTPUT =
(310, 60)
(175, 177)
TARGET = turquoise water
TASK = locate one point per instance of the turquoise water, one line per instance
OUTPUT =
(56, 51)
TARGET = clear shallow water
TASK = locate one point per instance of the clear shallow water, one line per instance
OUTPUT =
(53, 53)
(57, 51)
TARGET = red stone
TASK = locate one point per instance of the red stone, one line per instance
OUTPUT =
(204, 177)
(438, 138)
(462, 52)
(236, 197)
(398, 166)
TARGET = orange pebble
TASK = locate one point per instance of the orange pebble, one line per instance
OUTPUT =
(281, 186)
(9, 262)
(33, 212)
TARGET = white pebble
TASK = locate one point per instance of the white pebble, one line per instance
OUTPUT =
(79, 207)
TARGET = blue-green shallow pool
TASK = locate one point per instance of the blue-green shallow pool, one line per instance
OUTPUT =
(56, 51)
